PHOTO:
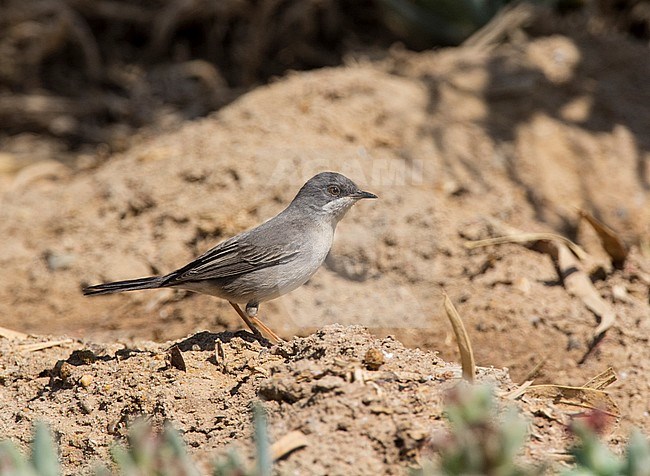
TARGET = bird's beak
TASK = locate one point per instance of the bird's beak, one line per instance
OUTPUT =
(359, 194)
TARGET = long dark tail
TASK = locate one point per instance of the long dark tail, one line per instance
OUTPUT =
(119, 286)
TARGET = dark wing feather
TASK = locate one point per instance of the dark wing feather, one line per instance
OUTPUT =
(230, 258)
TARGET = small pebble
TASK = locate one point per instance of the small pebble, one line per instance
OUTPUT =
(63, 369)
(373, 359)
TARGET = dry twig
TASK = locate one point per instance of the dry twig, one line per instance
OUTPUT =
(602, 380)
(502, 24)
(609, 239)
(578, 284)
(462, 338)
(42, 345)
(287, 444)
(11, 334)
(527, 238)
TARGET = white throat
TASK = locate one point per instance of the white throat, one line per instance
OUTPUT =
(336, 209)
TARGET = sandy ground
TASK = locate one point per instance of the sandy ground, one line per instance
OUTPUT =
(458, 144)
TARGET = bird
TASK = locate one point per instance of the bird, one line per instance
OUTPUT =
(265, 262)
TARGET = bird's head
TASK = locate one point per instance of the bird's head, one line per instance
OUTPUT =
(330, 194)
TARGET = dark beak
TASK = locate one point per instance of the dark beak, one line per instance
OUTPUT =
(359, 194)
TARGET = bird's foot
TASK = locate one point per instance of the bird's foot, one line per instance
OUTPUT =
(254, 322)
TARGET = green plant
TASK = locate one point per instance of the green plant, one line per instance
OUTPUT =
(233, 465)
(480, 441)
(593, 458)
(151, 453)
(43, 459)
(165, 454)
(147, 453)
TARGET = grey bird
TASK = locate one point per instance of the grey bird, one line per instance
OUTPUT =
(268, 261)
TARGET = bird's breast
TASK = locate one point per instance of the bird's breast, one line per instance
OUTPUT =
(312, 251)
(314, 248)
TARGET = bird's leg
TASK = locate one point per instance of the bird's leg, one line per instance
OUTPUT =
(251, 326)
(245, 318)
(251, 312)
(276, 338)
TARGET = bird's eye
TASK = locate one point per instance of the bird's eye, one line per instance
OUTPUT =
(334, 190)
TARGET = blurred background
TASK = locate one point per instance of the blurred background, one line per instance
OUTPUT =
(86, 76)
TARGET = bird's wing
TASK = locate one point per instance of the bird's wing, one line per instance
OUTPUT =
(231, 258)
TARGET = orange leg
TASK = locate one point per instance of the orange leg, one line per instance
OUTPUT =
(252, 322)
(274, 337)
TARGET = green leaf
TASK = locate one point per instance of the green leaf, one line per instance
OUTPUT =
(13, 462)
(44, 456)
(263, 461)
(638, 455)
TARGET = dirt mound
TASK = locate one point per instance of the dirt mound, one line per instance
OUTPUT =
(355, 420)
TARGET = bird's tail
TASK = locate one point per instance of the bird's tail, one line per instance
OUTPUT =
(119, 286)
